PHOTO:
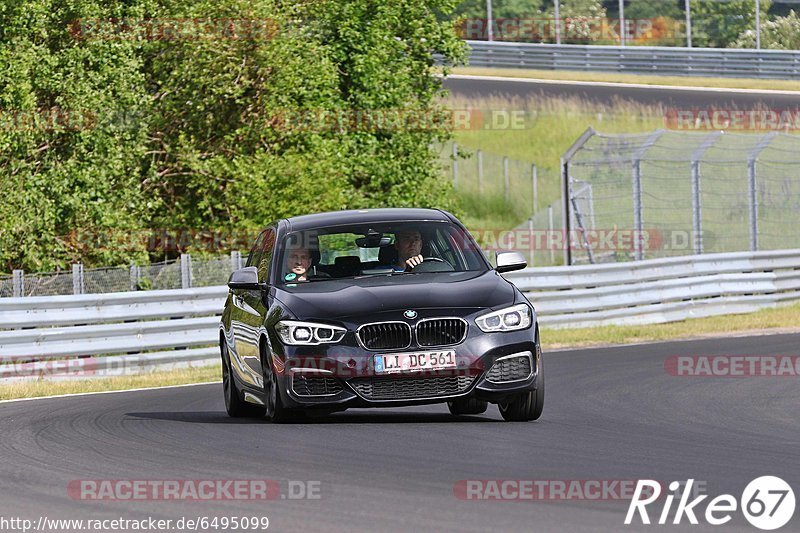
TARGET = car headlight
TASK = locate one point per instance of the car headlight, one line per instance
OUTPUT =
(308, 333)
(508, 319)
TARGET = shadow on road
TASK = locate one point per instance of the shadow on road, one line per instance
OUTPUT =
(359, 417)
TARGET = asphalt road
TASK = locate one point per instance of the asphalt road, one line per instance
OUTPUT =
(473, 87)
(610, 414)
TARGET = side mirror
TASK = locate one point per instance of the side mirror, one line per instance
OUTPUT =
(509, 261)
(245, 278)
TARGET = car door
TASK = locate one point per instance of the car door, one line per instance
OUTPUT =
(252, 309)
(241, 319)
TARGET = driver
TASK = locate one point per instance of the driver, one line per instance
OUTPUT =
(408, 244)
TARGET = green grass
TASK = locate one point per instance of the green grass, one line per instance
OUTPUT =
(44, 387)
(549, 128)
(678, 81)
(766, 320)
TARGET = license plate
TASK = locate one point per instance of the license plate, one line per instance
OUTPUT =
(413, 362)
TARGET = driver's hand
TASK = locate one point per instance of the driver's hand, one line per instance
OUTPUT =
(411, 262)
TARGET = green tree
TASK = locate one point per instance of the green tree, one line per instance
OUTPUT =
(718, 24)
(783, 33)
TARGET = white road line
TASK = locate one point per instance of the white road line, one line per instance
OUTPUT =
(107, 392)
(625, 85)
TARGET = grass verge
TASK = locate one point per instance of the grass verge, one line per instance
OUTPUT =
(774, 319)
(549, 127)
(676, 81)
(33, 389)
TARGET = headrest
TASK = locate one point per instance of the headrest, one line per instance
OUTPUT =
(347, 260)
(387, 254)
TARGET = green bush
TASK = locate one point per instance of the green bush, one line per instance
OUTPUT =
(181, 132)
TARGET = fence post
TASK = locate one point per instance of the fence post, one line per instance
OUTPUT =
(753, 204)
(480, 172)
(565, 215)
(186, 271)
(236, 260)
(697, 215)
(535, 189)
(77, 278)
(455, 166)
(18, 277)
(505, 176)
(550, 239)
(531, 240)
(135, 277)
(637, 211)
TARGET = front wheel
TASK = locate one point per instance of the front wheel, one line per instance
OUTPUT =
(274, 407)
(527, 405)
(234, 404)
(469, 406)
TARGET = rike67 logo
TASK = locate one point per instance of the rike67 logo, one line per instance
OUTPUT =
(767, 503)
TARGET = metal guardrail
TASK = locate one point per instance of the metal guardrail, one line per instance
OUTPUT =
(661, 290)
(152, 329)
(663, 60)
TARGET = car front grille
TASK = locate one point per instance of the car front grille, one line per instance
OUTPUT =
(513, 368)
(385, 335)
(315, 385)
(441, 331)
(403, 388)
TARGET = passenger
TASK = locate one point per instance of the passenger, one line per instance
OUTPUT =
(297, 264)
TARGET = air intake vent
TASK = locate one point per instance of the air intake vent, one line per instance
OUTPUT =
(514, 368)
(315, 385)
(410, 388)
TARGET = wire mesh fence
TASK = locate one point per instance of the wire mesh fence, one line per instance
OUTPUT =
(180, 273)
(681, 193)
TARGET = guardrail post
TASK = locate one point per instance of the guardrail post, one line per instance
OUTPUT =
(136, 275)
(505, 176)
(77, 278)
(236, 260)
(18, 281)
(186, 271)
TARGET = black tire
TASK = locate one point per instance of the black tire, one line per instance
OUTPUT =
(234, 403)
(528, 405)
(274, 408)
(468, 406)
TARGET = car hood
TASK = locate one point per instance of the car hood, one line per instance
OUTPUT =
(377, 294)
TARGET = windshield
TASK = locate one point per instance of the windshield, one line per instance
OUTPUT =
(377, 249)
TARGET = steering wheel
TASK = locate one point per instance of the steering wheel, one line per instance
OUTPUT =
(427, 259)
(446, 267)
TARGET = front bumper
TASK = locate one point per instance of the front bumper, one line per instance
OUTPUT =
(342, 376)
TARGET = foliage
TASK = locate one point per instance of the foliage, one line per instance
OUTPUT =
(185, 130)
(783, 33)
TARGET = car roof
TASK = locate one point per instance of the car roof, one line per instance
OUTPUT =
(357, 216)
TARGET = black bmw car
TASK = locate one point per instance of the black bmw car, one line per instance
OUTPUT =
(377, 308)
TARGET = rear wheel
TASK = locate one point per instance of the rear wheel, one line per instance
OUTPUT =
(468, 406)
(234, 404)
